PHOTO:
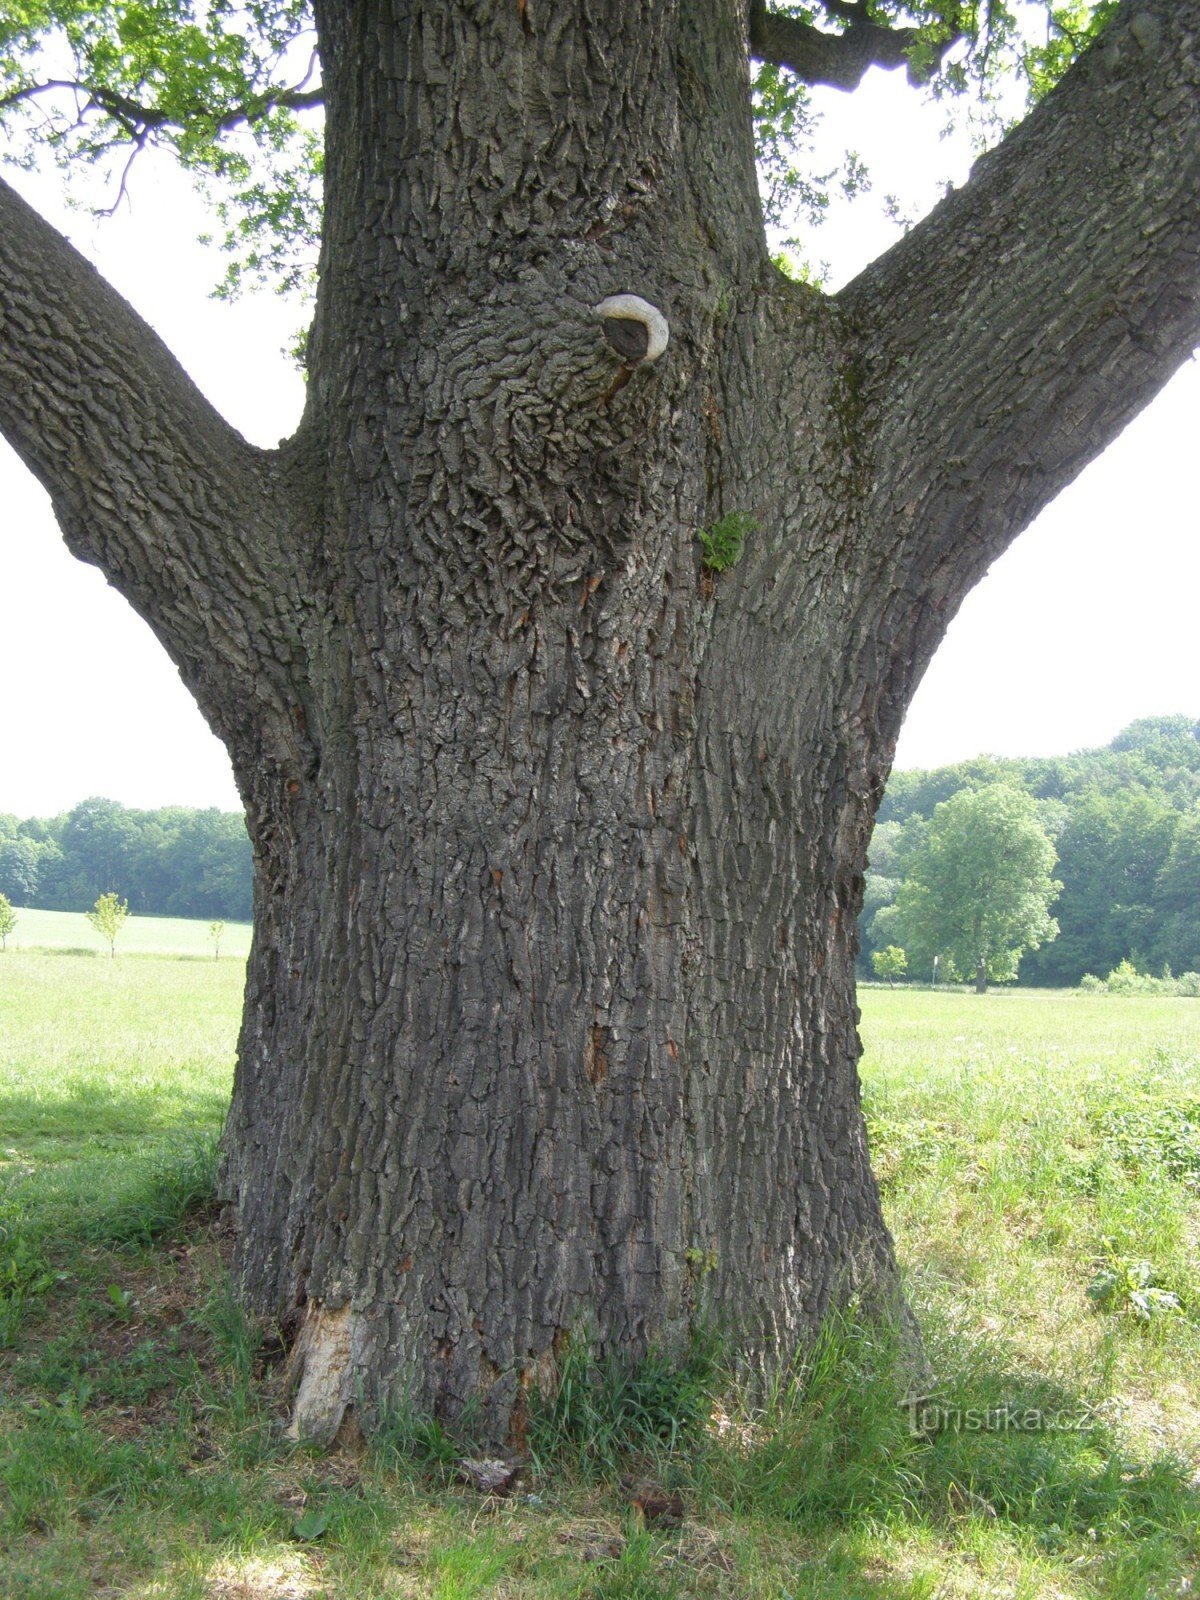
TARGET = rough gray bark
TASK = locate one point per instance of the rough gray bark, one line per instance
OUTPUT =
(550, 1017)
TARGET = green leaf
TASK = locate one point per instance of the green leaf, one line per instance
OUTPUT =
(121, 1298)
(311, 1526)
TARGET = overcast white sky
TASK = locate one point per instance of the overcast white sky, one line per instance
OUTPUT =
(1087, 622)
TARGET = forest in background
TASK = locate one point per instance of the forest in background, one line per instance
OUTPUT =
(1125, 822)
(176, 861)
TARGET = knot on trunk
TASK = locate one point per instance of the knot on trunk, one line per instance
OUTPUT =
(635, 329)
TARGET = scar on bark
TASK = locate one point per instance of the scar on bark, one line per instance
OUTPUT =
(320, 1370)
(595, 1055)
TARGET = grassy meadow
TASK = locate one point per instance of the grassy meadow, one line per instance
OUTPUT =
(1040, 1163)
(160, 936)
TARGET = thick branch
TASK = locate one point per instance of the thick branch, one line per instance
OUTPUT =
(838, 60)
(1009, 338)
(148, 482)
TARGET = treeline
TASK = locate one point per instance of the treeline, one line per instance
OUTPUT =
(1125, 822)
(171, 862)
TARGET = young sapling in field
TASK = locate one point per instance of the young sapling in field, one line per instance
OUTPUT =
(107, 916)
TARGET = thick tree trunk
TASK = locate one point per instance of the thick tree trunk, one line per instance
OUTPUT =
(551, 1025)
(551, 1020)
(981, 976)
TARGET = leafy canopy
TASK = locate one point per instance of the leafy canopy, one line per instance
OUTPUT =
(232, 88)
(987, 60)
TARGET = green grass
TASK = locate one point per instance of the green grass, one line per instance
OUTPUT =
(1030, 1148)
(164, 936)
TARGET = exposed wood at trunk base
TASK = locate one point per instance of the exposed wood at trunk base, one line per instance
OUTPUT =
(321, 1368)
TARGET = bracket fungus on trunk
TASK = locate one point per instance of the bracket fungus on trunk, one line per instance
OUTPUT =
(634, 329)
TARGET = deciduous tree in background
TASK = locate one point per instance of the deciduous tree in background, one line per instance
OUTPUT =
(979, 888)
(890, 963)
(19, 869)
(1179, 897)
(1119, 817)
(8, 920)
(560, 834)
(1112, 852)
(108, 916)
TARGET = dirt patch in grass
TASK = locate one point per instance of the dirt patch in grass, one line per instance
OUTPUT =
(298, 1578)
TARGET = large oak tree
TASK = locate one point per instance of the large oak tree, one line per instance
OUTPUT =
(559, 834)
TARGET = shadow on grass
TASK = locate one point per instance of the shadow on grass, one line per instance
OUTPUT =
(90, 1112)
(1000, 1465)
(124, 955)
(157, 1189)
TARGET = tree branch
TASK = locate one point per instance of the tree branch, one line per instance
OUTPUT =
(148, 482)
(839, 60)
(1012, 335)
(137, 118)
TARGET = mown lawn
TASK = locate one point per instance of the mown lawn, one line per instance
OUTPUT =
(1040, 1163)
